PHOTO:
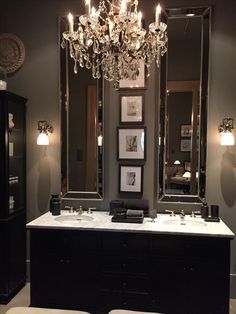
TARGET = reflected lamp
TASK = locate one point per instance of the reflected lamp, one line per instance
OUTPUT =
(225, 129)
(44, 129)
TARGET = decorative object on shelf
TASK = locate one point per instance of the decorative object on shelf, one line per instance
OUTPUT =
(44, 130)
(131, 178)
(12, 52)
(3, 78)
(131, 143)
(186, 130)
(225, 129)
(132, 109)
(112, 40)
(10, 122)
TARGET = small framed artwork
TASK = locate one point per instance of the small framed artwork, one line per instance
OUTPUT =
(186, 130)
(137, 82)
(185, 145)
(131, 143)
(131, 179)
(132, 109)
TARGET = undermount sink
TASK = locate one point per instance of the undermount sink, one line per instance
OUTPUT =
(185, 222)
(73, 218)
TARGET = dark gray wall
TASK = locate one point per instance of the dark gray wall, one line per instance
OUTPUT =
(36, 23)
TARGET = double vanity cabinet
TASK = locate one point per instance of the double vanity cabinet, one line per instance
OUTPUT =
(97, 267)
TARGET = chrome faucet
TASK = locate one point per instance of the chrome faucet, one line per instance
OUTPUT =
(80, 210)
(182, 214)
(172, 213)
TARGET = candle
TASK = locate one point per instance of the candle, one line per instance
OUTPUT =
(3, 85)
(111, 26)
(71, 23)
(123, 7)
(140, 19)
(93, 12)
(87, 7)
(158, 12)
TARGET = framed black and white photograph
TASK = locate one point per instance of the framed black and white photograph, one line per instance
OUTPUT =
(132, 109)
(186, 130)
(131, 178)
(131, 143)
(185, 145)
(135, 83)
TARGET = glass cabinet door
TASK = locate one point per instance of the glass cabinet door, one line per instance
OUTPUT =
(16, 152)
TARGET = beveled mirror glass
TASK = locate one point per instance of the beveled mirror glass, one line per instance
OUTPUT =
(183, 106)
(82, 142)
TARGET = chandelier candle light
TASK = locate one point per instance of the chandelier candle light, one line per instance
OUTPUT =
(112, 40)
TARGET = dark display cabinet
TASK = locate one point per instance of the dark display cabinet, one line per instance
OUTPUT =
(12, 195)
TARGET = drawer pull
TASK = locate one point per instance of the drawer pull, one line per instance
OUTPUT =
(124, 284)
(123, 265)
(124, 245)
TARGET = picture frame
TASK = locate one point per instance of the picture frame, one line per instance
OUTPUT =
(131, 179)
(131, 143)
(186, 130)
(132, 109)
(185, 145)
(137, 83)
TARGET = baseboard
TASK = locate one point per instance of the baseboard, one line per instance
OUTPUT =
(27, 270)
(232, 286)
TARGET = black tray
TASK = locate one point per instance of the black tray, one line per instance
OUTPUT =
(137, 220)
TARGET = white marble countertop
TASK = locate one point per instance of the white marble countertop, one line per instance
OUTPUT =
(164, 224)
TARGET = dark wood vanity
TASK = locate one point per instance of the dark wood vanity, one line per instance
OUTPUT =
(97, 271)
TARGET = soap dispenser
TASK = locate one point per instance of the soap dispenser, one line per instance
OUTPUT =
(204, 209)
(55, 205)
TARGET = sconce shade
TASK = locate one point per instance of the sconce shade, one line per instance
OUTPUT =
(44, 129)
(43, 139)
(227, 138)
(100, 139)
(187, 175)
(177, 162)
(225, 129)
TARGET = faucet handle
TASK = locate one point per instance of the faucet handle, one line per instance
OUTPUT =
(172, 212)
(90, 210)
(194, 212)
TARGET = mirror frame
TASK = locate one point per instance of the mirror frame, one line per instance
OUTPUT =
(64, 103)
(205, 13)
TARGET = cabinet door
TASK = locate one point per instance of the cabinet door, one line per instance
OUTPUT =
(189, 286)
(16, 152)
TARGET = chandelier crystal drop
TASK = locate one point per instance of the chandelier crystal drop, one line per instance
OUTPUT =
(112, 40)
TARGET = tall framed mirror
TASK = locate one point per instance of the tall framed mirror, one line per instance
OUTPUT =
(82, 121)
(183, 106)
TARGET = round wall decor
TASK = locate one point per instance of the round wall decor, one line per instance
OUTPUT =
(12, 52)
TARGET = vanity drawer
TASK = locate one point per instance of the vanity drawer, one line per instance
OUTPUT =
(125, 284)
(189, 247)
(55, 241)
(124, 264)
(126, 242)
(126, 301)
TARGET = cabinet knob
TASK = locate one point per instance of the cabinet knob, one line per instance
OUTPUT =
(124, 265)
(124, 245)
(61, 260)
(124, 284)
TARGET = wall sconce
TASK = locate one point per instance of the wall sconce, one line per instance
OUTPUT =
(44, 129)
(225, 129)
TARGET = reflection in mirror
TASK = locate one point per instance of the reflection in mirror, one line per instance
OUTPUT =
(183, 107)
(81, 130)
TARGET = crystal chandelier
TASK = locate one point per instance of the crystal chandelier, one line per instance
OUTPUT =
(112, 40)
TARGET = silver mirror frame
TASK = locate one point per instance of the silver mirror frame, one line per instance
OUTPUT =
(97, 195)
(162, 197)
